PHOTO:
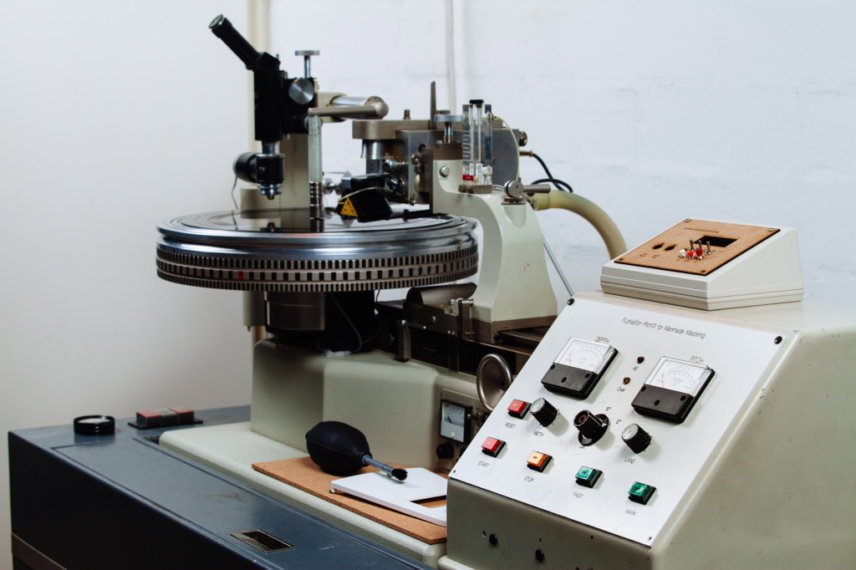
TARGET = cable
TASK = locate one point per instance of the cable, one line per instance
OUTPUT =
(560, 184)
(234, 202)
(558, 268)
(360, 191)
(542, 163)
(349, 321)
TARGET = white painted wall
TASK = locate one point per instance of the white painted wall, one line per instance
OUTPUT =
(741, 110)
(114, 116)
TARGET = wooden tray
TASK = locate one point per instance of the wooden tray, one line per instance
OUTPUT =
(304, 474)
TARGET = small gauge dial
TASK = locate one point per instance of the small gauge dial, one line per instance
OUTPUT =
(672, 389)
(585, 354)
(579, 367)
(679, 375)
(453, 421)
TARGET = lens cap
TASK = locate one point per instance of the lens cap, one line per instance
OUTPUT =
(96, 424)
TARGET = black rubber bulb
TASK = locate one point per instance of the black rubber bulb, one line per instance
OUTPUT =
(341, 449)
(337, 448)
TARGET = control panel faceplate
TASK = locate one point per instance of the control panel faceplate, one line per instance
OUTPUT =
(598, 460)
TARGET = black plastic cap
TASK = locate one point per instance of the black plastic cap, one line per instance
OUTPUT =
(95, 424)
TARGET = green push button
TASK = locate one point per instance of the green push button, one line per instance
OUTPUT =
(641, 493)
(587, 476)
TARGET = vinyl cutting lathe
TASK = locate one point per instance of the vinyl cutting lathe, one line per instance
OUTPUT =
(693, 414)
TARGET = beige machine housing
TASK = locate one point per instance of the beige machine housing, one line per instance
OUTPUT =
(769, 487)
(758, 474)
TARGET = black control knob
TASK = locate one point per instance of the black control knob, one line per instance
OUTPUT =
(445, 451)
(636, 438)
(591, 426)
(544, 411)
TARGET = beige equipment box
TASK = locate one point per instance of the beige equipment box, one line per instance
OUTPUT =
(645, 435)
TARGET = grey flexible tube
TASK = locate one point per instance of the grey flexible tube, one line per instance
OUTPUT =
(591, 212)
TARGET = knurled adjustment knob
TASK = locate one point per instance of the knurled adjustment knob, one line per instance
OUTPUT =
(636, 438)
(544, 411)
(307, 54)
(591, 426)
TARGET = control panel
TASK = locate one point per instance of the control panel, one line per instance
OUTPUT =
(614, 417)
(710, 265)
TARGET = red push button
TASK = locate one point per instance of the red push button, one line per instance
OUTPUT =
(492, 446)
(538, 461)
(518, 408)
(164, 417)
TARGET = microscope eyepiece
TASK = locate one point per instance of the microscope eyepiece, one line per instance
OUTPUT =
(223, 29)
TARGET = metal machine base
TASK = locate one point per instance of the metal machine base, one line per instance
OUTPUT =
(124, 501)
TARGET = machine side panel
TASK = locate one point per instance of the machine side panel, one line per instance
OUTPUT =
(392, 405)
(279, 373)
(491, 531)
(782, 494)
(741, 358)
(396, 405)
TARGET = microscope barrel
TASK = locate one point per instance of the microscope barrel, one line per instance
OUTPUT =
(224, 30)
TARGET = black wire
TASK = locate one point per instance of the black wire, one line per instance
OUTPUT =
(348, 320)
(542, 163)
(560, 184)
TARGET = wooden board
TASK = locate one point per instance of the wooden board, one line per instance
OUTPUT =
(726, 242)
(304, 474)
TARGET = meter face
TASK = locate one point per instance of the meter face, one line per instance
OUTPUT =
(585, 354)
(453, 421)
(679, 376)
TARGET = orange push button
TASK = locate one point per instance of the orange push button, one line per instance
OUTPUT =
(518, 408)
(492, 446)
(538, 461)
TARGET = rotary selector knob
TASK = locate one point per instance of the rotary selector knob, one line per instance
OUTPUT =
(592, 426)
(544, 411)
(636, 438)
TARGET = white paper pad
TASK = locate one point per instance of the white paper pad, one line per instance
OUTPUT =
(400, 496)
